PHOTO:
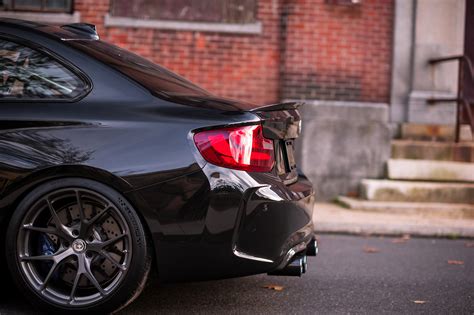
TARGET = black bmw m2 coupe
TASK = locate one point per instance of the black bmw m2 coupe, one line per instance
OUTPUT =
(112, 166)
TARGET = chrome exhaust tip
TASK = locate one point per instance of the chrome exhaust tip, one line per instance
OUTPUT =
(305, 263)
(312, 248)
(295, 268)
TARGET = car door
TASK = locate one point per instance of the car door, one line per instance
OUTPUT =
(33, 84)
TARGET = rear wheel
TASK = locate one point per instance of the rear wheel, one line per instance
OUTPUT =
(77, 245)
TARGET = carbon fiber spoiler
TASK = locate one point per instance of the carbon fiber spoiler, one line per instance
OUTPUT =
(278, 106)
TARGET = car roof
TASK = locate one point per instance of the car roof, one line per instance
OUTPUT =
(75, 31)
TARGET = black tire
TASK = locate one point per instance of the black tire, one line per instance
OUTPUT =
(6, 283)
(130, 249)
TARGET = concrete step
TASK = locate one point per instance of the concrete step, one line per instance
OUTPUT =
(431, 150)
(333, 218)
(416, 191)
(425, 209)
(430, 170)
(430, 132)
(427, 132)
(465, 133)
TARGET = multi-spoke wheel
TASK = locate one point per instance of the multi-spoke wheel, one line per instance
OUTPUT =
(76, 244)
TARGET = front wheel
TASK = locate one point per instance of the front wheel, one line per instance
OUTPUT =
(77, 245)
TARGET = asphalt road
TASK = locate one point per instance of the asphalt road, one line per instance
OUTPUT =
(347, 277)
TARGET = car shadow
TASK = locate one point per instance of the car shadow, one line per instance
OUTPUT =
(196, 297)
(12, 300)
(187, 297)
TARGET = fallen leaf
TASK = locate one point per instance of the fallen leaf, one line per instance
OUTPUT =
(353, 194)
(419, 302)
(455, 262)
(399, 241)
(403, 239)
(469, 244)
(273, 287)
(371, 250)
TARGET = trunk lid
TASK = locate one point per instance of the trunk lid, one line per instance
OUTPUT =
(282, 123)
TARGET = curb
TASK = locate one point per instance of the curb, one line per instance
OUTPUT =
(394, 230)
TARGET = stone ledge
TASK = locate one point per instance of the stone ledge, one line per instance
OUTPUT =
(408, 169)
(416, 191)
(425, 209)
(433, 150)
(247, 28)
(340, 110)
(49, 18)
(331, 218)
(428, 132)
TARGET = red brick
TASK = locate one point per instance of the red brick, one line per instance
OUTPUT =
(329, 51)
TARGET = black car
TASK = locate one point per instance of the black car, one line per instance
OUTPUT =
(112, 166)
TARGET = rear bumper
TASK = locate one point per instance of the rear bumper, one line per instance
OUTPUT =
(276, 223)
(220, 223)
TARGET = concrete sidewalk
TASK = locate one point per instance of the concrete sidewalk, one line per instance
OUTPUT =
(333, 218)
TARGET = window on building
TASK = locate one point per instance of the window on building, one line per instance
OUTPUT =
(59, 6)
(220, 11)
(26, 73)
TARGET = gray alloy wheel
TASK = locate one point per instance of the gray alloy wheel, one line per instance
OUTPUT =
(74, 247)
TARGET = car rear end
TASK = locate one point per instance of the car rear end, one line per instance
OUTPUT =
(273, 229)
(240, 207)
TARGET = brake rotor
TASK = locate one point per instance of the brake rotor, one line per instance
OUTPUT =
(102, 268)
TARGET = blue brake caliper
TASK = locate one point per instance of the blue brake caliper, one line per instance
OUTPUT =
(47, 248)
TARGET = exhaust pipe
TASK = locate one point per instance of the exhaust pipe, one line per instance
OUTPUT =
(295, 268)
(299, 264)
(305, 263)
(312, 248)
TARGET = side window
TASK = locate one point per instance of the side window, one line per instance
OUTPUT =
(26, 73)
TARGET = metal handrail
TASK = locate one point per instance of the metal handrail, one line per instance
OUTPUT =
(462, 58)
(462, 102)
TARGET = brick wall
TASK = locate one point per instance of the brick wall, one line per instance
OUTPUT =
(338, 52)
(325, 51)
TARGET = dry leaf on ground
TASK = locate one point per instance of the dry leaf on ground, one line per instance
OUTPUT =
(419, 302)
(399, 241)
(371, 250)
(455, 262)
(273, 287)
(469, 244)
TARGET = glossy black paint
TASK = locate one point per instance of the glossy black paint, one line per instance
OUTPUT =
(200, 216)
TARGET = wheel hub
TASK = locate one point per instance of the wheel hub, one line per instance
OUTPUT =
(79, 246)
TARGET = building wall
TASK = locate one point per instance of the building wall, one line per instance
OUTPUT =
(239, 66)
(308, 49)
(439, 32)
(338, 52)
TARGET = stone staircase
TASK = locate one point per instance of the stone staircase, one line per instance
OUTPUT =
(427, 172)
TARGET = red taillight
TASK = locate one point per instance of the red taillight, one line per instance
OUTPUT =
(242, 148)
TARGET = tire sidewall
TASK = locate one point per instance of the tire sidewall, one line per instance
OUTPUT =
(139, 263)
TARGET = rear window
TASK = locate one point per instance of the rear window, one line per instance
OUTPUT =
(159, 80)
